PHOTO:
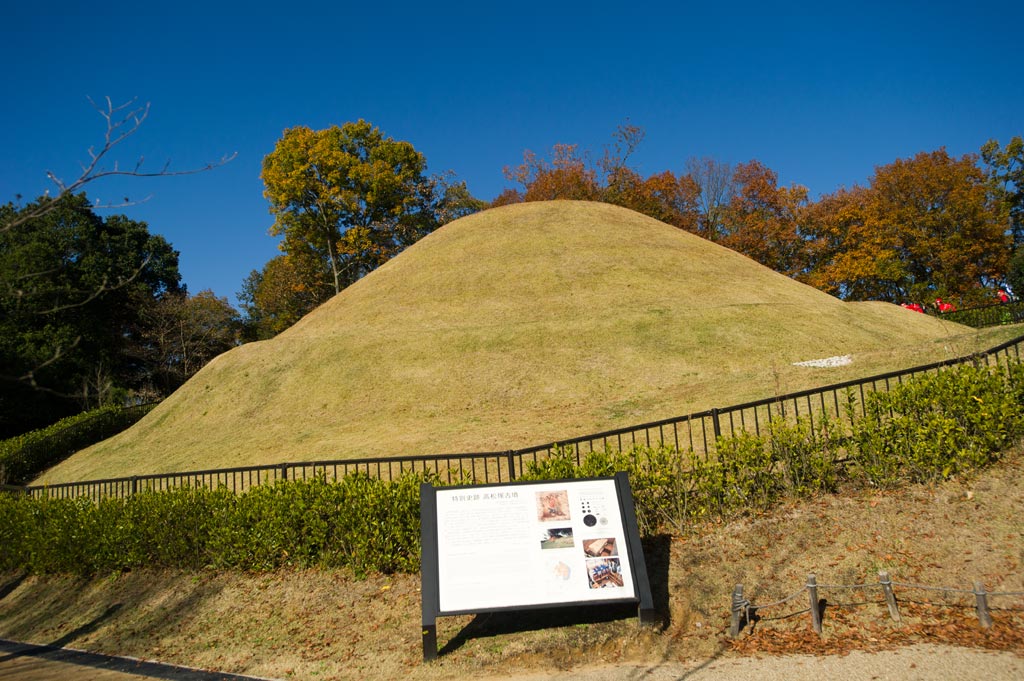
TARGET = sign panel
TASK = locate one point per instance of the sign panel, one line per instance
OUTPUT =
(531, 544)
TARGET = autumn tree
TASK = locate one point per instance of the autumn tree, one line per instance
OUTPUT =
(925, 227)
(568, 175)
(840, 237)
(287, 288)
(1005, 169)
(180, 333)
(572, 174)
(353, 196)
(663, 196)
(762, 219)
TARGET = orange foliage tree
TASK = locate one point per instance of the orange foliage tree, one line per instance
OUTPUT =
(571, 174)
(762, 220)
(568, 175)
(925, 227)
(288, 287)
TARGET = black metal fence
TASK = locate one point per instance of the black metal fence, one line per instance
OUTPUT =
(1010, 312)
(696, 432)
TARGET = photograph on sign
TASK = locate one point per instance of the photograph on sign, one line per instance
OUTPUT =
(531, 545)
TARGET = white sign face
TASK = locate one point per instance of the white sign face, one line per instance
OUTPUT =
(531, 544)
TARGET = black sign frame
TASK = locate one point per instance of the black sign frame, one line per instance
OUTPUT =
(430, 558)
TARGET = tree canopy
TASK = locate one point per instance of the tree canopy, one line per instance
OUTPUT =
(353, 196)
(924, 227)
(180, 333)
(346, 199)
(1005, 167)
(72, 286)
(288, 287)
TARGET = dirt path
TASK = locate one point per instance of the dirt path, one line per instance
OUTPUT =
(914, 663)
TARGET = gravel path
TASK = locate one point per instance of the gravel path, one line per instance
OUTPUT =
(914, 663)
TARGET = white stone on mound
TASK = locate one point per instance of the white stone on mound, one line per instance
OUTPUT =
(838, 361)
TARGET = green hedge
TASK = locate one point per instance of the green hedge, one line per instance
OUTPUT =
(25, 456)
(928, 429)
(360, 523)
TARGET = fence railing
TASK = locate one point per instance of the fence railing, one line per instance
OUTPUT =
(996, 314)
(696, 432)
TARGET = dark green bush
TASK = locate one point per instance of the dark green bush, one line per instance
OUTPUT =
(360, 523)
(937, 426)
(25, 456)
(671, 489)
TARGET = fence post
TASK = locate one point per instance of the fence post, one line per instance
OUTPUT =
(511, 465)
(715, 423)
(981, 599)
(284, 471)
(135, 485)
(890, 597)
(812, 589)
(739, 608)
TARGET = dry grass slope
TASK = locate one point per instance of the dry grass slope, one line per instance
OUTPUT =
(516, 326)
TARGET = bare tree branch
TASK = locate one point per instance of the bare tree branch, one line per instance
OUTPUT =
(122, 121)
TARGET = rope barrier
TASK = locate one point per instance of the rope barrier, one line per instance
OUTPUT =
(934, 588)
(784, 600)
(754, 606)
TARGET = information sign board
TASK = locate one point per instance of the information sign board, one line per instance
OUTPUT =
(529, 545)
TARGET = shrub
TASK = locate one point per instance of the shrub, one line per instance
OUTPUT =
(937, 426)
(359, 522)
(25, 456)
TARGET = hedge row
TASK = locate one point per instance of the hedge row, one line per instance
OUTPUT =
(928, 429)
(360, 523)
(23, 457)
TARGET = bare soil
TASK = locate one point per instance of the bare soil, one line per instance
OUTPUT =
(328, 625)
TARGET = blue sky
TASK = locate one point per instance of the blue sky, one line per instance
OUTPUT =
(820, 93)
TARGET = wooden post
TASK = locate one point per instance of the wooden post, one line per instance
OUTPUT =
(981, 599)
(812, 589)
(890, 597)
(738, 611)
